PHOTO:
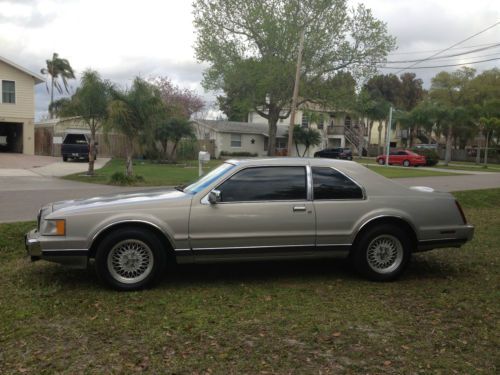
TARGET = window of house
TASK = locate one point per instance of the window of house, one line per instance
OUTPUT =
(347, 122)
(331, 184)
(8, 92)
(281, 143)
(305, 120)
(265, 184)
(235, 140)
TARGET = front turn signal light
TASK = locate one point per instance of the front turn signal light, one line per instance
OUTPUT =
(54, 228)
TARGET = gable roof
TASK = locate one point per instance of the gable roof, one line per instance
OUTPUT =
(224, 126)
(38, 78)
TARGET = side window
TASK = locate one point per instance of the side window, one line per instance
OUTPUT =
(265, 184)
(402, 153)
(331, 184)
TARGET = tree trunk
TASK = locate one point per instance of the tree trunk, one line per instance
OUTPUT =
(478, 154)
(271, 149)
(90, 172)
(370, 132)
(128, 163)
(380, 137)
(449, 139)
(361, 139)
(173, 156)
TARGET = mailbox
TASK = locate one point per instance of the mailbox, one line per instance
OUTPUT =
(204, 156)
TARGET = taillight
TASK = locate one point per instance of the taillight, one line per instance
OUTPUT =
(461, 211)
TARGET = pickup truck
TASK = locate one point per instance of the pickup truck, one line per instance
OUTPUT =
(76, 146)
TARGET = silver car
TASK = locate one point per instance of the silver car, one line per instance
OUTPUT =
(281, 208)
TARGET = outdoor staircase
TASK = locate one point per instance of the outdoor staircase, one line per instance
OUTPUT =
(352, 137)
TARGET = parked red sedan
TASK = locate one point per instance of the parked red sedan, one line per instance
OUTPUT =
(402, 157)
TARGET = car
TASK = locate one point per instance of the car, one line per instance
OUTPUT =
(334, 153)
(406, 158)
(77, 146)
(259, 209)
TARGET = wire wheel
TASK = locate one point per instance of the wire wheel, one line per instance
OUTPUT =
(130, 261)
(384, 254)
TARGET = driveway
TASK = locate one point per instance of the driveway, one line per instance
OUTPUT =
(17, 165)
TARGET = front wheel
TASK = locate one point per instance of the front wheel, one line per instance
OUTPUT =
(406, 163)
(380, 161)
(130, 259)
(382, 252)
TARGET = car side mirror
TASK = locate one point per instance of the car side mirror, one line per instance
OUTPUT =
(214, 197)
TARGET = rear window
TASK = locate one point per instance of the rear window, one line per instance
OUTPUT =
(78, 139)
(329, 183)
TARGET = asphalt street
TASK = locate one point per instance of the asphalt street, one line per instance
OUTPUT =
(22, 196)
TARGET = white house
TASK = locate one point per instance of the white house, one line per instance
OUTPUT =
(17, 107)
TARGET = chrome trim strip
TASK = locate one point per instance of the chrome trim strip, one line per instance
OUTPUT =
(440, 239)
(387, 216)
(249, 247)
(56, 250)
(180, 250)
(334, 244)
(309, 180)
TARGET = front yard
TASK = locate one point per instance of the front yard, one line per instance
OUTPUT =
(155, 174)
(281, 318)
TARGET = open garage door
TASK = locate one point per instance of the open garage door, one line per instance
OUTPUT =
(11, 137)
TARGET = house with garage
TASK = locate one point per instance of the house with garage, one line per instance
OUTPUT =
(17, 107)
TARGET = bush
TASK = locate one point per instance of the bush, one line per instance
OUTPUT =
(119, 178)
(431, 156)
(238, 153)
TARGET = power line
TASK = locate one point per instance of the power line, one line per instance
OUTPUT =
(437, 66)
(446, 49)
(445, 56)
(436, 50)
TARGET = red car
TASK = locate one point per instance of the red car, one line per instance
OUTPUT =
(402, 157)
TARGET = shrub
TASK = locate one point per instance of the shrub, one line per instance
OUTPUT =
(237, 153)
(119, 178)
(431, 156)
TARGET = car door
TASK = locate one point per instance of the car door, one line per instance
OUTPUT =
(402, 156)
(264, 212)
(339, 203)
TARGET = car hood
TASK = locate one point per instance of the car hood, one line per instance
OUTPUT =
(140, 197)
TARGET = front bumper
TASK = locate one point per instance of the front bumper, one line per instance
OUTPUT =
(75, 258)
(32, 244)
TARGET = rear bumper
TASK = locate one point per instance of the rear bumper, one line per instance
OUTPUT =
(461, 236)
(70, 258)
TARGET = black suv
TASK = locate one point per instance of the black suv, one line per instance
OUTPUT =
(334, 153)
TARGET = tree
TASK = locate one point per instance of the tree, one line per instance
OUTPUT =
(58, 68)
(251, 47)
(173, 129)
(411, 91)
(135, 113)
(90, 102)
(490, 122)
(449, 91)
(305, 136)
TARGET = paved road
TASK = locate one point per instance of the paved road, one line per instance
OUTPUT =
(21, 197)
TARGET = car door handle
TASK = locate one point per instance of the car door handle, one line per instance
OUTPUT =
(299, 208)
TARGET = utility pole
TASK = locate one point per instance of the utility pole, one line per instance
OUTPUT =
(388, 132)
(295, 94)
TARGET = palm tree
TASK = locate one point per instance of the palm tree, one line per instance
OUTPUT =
(135, 113)
(307, 137)
(58, 68)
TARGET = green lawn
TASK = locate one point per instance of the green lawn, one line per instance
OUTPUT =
(309, 317)
(170, 175)
(469, 167)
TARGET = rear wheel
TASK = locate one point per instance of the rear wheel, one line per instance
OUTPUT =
(65, 158)
(406, 163)
(382, 252)
(130, 258)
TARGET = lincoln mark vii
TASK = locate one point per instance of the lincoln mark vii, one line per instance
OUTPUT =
(277, 208)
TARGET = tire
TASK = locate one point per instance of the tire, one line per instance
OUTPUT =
(381, 161)
(406, 163)
(382, 252)
(130, 249)
(65, 158)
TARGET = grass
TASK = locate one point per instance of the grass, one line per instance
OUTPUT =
(471, 167)
(309, 317)
(170, 175)
(154, 174)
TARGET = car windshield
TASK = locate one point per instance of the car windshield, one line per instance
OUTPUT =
(207, 179)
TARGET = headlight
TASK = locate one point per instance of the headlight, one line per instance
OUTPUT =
(55, 227)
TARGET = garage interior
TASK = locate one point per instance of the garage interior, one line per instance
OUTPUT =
(11, 137)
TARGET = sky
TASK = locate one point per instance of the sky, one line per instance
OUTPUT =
(127, 38)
